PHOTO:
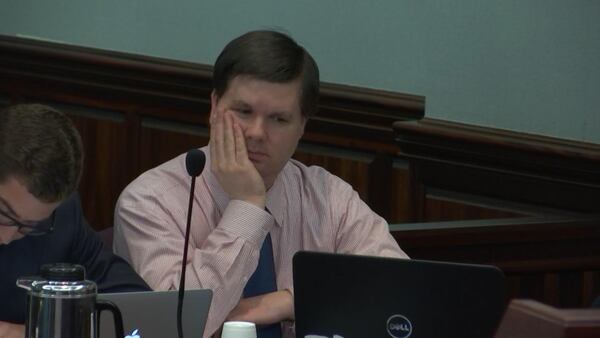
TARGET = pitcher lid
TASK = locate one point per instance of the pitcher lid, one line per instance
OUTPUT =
(62, 272)
(62, 280)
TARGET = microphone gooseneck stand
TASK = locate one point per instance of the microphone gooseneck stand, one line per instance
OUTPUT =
(194, 164)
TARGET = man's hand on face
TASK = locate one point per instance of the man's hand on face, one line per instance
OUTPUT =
(230, 163)
(10, 330)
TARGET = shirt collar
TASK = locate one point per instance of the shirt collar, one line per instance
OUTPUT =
(276, 199)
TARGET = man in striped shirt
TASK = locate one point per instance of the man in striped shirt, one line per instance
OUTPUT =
(265, 89)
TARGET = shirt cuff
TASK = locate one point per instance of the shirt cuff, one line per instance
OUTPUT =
(247, 221)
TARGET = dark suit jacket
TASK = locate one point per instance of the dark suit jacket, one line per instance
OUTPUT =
(73, 241)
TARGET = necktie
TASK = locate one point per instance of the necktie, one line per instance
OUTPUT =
(263, 281)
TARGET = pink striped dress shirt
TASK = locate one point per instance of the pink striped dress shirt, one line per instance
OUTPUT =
(310, 209)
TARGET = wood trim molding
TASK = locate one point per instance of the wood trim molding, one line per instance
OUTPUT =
(361, 114)
(513, 244)
(501, 148)
(526, 168)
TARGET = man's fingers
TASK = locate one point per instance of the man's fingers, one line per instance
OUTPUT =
(229, 162)
(228, 138)
(241, 153)
(216, 139)
(212, 115)
(227, 144)
(211, 142)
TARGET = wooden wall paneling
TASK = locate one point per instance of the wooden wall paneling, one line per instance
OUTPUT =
(516, 167)
(4, 100)
(513, 286)
(360, 118)
(551, 289)
(162, 140)
(133, 121)
(559, 242)
(376, 108)
(441, 209)
(401, 205)
(351, 166)
(552, 259)
(497, 148)
(380, 190)
(106, 162)
(416, 190)
(441, 205)
(571, 289)
(86, 72)
(531, 286)
(564, 289)
(525, 189)
(591, 286)
(522, 256)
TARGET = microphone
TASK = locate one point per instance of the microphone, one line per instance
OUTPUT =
(194, 164)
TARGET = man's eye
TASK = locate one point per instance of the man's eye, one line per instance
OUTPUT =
(280, 119)
(242, 111)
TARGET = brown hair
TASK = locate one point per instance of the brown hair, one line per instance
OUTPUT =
(270, 56)
(40, 145)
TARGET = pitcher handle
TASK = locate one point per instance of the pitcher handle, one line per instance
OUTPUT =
(102, 305)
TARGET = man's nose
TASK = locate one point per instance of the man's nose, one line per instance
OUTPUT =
(255, 128)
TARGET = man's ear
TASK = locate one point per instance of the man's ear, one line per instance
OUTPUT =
(304, 121)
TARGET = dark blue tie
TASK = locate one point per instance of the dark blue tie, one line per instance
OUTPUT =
(263, 281)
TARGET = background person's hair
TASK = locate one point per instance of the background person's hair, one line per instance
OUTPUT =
(269, 56)
(41, 147)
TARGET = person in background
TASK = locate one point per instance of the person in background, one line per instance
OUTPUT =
(254, 206)
(41, 220)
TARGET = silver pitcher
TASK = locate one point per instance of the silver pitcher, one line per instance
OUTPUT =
(62, 304)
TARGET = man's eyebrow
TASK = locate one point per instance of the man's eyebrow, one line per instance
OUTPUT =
(281, 113)
(240, 103)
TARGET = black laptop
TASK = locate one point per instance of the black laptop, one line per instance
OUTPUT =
(353, 296)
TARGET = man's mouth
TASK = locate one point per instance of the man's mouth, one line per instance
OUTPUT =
(256, 156)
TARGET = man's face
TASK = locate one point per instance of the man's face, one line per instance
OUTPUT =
(270, 117)
(16, 203)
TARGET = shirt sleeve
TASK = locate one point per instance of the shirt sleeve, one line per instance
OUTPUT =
(222, 257)
(110, 272)
(360, 230)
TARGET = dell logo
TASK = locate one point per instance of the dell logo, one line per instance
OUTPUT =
(399, 326)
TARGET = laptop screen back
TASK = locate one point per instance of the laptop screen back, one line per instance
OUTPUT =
(154, 314)
(364, 297)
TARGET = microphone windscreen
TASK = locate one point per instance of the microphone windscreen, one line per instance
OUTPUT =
(194, 162)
